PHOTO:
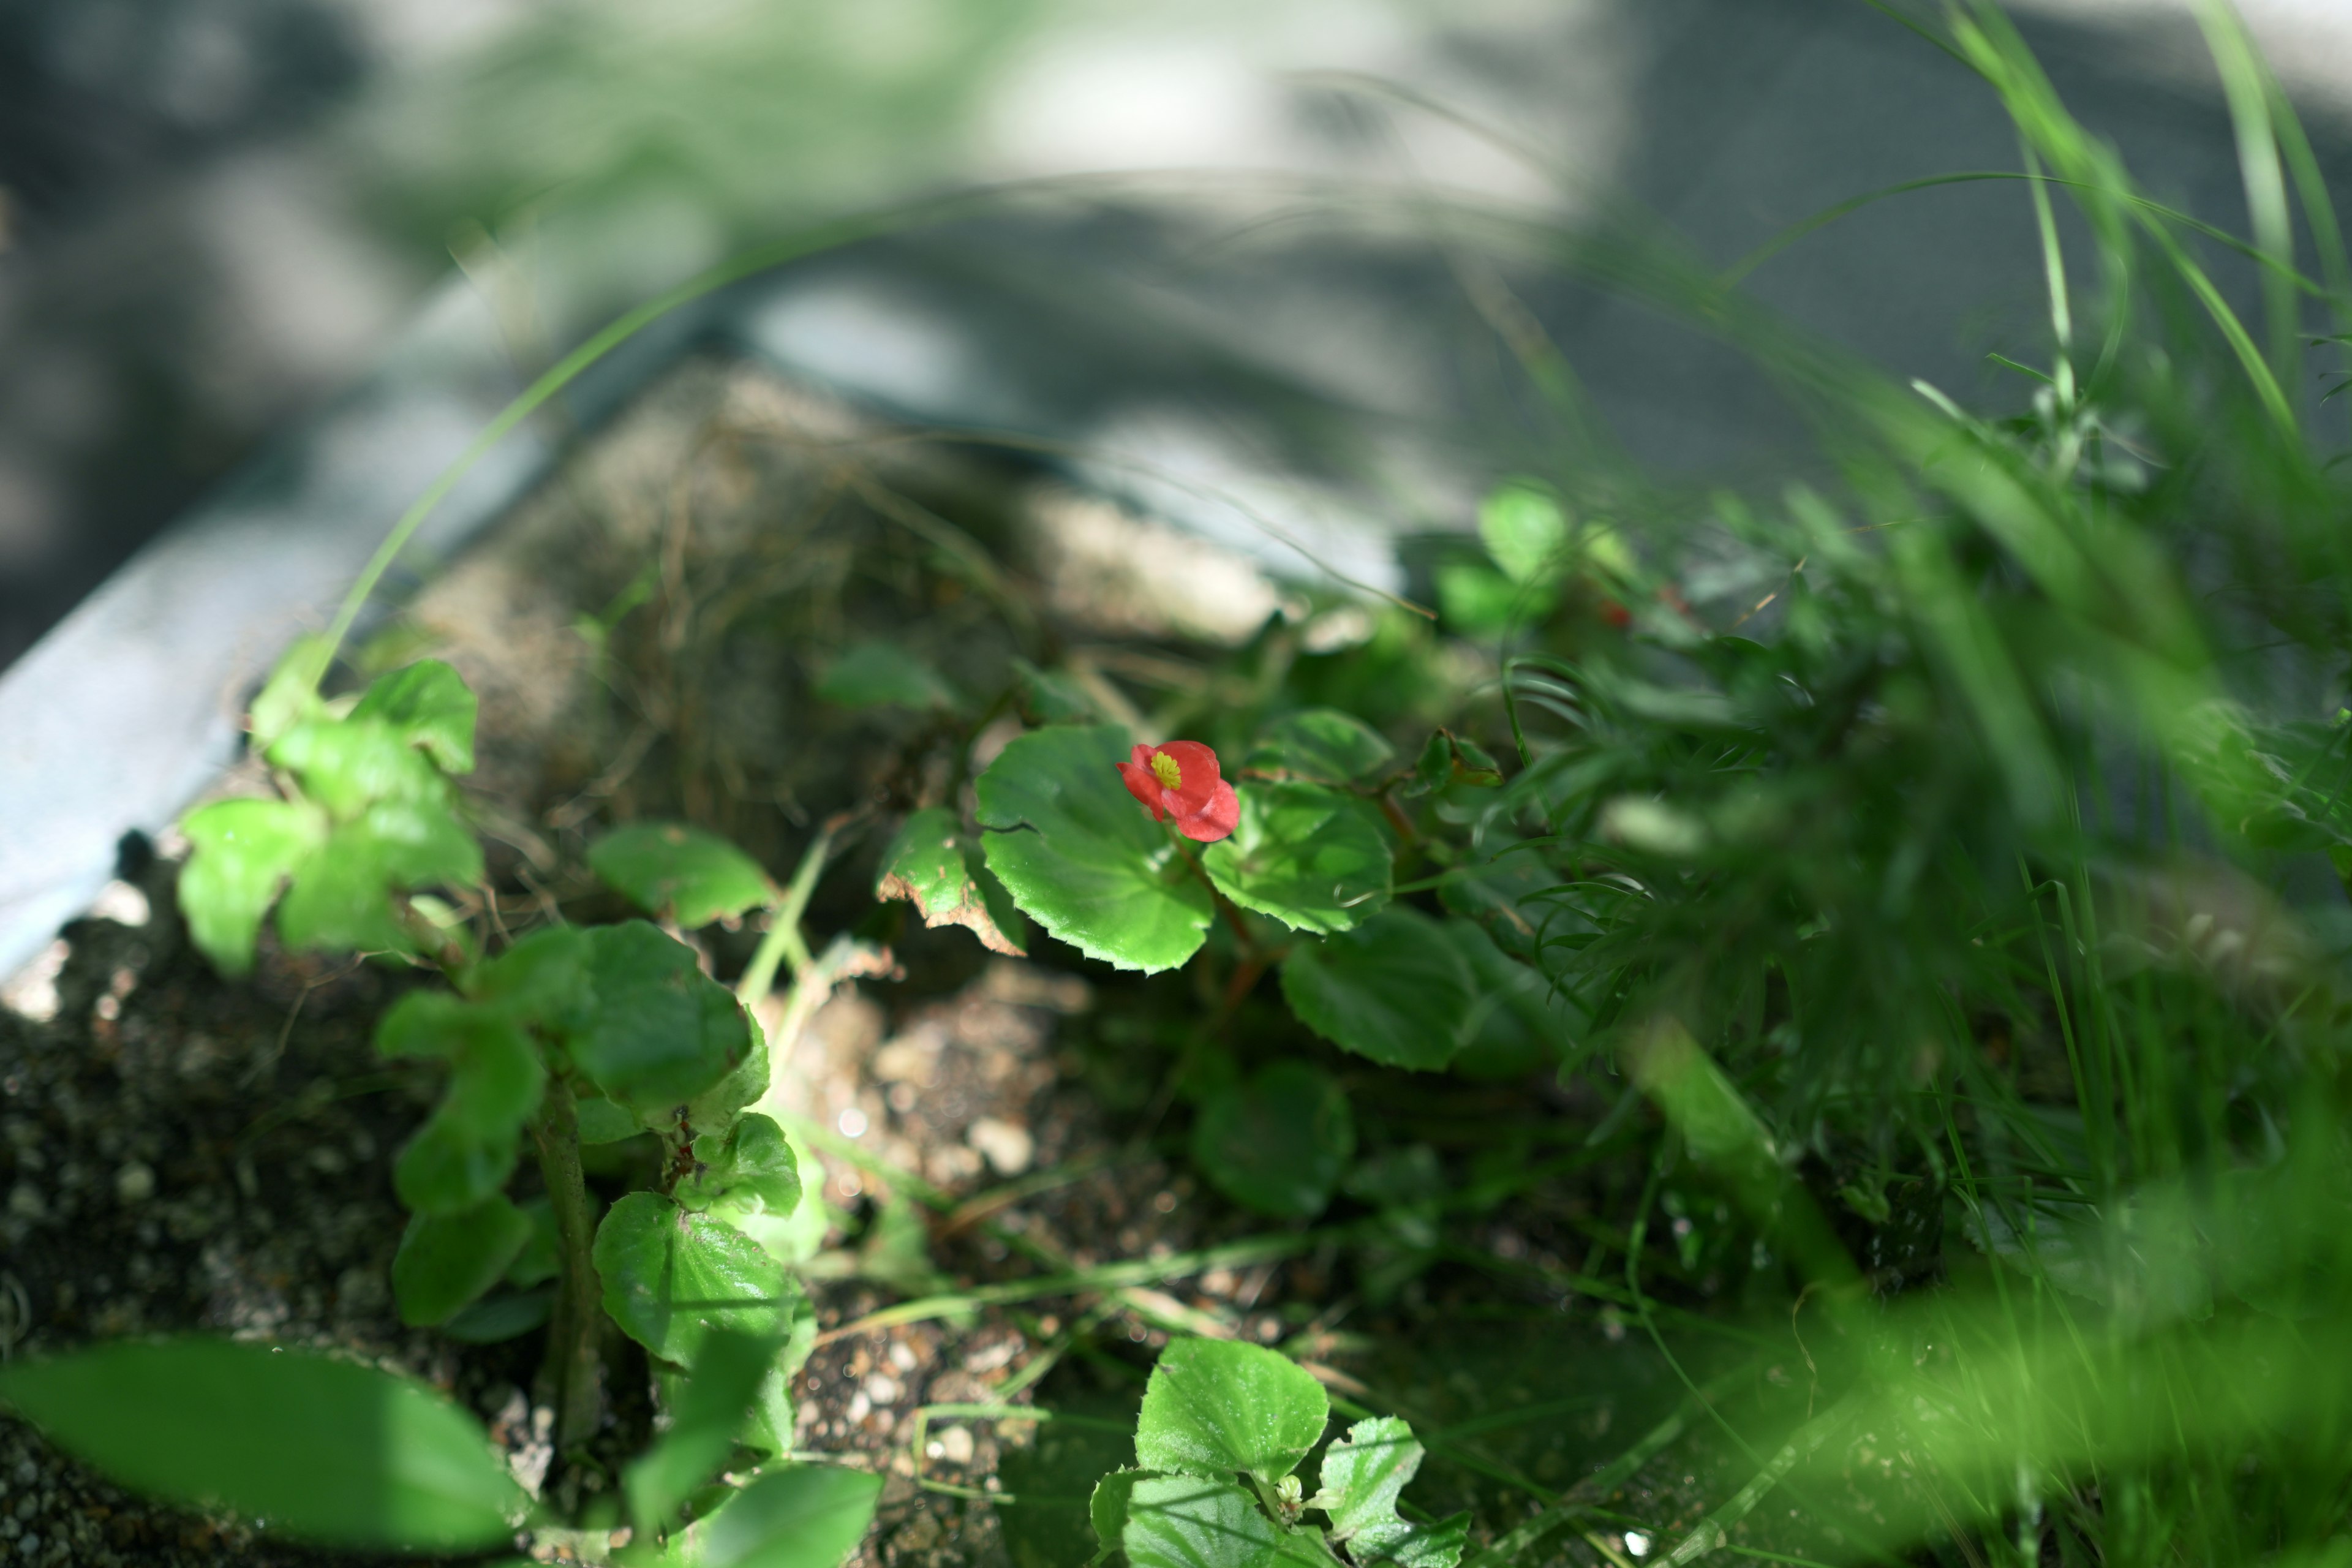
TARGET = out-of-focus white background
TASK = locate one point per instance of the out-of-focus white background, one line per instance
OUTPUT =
(214, 212)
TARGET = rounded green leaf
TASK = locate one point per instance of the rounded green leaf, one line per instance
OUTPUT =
(663, 1031)
(691, 875)
(1107, 1510)
(1191, 1522)
(240, 852)
(348, 764)
(801, 1516)
(297, 1443)
(452, 1165)
(1322, 745)
(710, 1405)
(671, 1277)
(543, 978)
(1313, 858)
(749, 1166)
(446, 1260)
(1394, 989)
(430, 707)
(340, 900)
(1279, 1143)
(1215, 1407)
(1525, 531)
(1081, 858)
(934, 865)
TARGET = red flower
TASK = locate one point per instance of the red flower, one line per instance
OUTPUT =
(1180, 780)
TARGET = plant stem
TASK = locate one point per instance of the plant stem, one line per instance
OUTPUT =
(571, 1349)
(783, 940)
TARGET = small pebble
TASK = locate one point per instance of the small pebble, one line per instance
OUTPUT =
(1008, 1148)
(955, 1444)
(135, 1182)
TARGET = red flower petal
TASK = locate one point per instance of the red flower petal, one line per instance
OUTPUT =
(1216, 820)
(1137, 776)
(1198, 777)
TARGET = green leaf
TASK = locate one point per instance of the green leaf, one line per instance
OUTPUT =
(541, 1259)
(507, 1315)
(663, 1031)
(313, 1448)
(801, 1516)
(430, 707)
(744, 1084)
(1081, 858)
(1277, 1144)
(449, 1165)
(467, 1149)
(1525, 531)
(1107, 1509)
(1189, 1521)
(446, 1260)
(935, 866)
(877, 674)
(1523, 902)
(672, 1278)
(340, 900)
(1479, 601)
(1215, 1406)
(291, 695)
(240, 853)
(691, 875)
(1320, 745)
(1394, 989)
(749, 1166)
(713, 1401)
(602, 1122)
(1520, 1022)
(1313, 858)
(349, 765)
(544, 978)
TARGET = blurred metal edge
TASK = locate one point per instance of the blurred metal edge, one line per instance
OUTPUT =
(130, 708)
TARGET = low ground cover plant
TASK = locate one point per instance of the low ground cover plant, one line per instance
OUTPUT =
(1920, 892)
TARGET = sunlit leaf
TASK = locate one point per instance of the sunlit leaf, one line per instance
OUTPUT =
(713, 1400)
(1319, 745)
(1081, 858)
(240, 853)
(935, 866)
(672, 1276)
(430, 707)
(689, 874)
(293, 1441)
(1363, 1475)
(1192, 1521)
(1215, 1407)
(1313, 858)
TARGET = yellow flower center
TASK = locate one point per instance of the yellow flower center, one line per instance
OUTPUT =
(1164, 769)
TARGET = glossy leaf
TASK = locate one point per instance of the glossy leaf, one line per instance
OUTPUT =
(711, 1404)
(743, 1085)
(877, 674)
(663, 1031)
(451, 1165)
(1311, 858)
(240, 853)
(749, 1166)
(799, 1516)
(1081, 858)
(543, 979)
(467, 1149)
(298, 1443)
(669, 868)
(1278, 1142)
(1215, 1407)
(935, 866)
(1191, 1522)
(602, 1122)
(1320, 745)
(672, 1276)
(446, 1260)
(1394, 990)
(1524, 904)
(429, 706)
